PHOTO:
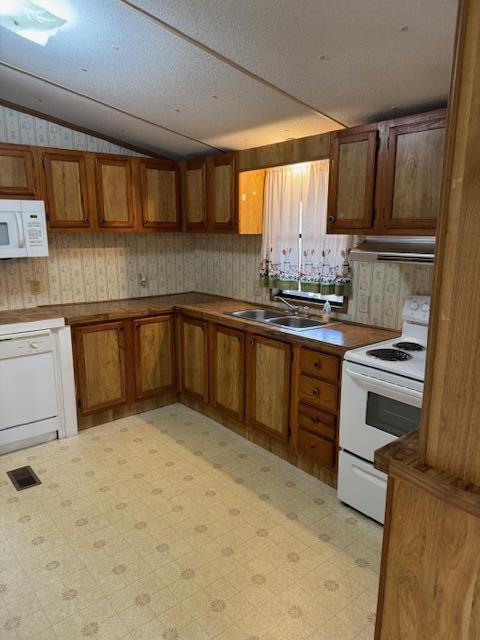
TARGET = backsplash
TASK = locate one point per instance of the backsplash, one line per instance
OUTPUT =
(106, 266)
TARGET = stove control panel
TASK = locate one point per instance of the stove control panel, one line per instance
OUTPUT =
(417, 309)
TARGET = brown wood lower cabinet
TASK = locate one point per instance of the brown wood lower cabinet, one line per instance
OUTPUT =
(227, 370)
(101, 367)
(315, 400)
(194, 349)
(123, 361)
(268, 366)
(154, 342)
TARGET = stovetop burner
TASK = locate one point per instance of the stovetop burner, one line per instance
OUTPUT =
(409, 346)
(389, 354)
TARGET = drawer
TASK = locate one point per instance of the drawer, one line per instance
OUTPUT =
(321, 394)
(319, 365)
(362, 486)
(316, 447)
(311, 419)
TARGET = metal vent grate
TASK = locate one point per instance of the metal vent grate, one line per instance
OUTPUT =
(23, 478)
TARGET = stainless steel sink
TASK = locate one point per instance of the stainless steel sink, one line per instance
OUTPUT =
(297, 323)
(262, 315)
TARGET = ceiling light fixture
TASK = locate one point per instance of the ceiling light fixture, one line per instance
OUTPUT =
(35, 20)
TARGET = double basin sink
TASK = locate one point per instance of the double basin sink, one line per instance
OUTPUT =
(279, 319)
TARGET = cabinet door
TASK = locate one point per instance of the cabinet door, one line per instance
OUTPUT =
(268, 366)
(100, 360)
(17, 176)
(115, 192)
(352, 181)
(222, 193)
(251, 187)
(154, 355)
(194, 340)
(67, 189)
(414, 175)
(160, 195)
(195, 195)
(227, 366)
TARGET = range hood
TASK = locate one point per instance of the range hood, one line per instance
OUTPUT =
(414, 249)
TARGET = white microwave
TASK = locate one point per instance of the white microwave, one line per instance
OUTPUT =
(23, 229)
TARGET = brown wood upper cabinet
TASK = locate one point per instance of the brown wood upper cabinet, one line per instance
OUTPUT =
(115, 191)
(268, 364)
(222, 193)
(154, 344)
(67, 189)
(160, 193)
(385, 177)
(352, 179)
(100, 365)
(17, 173)
(195, 194)
(227, 368)
(414, 161)
(194, 345)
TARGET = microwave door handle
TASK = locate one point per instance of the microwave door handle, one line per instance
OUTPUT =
(21, 236)
(374, 384)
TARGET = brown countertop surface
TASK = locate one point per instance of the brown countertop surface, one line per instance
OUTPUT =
(28, 315)
(337, 338)
(402, 450)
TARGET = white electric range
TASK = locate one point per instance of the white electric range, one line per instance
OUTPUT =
(382, 392)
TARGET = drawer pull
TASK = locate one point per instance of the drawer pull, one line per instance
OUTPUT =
(316, 392)
(316, 364)
(314, 419)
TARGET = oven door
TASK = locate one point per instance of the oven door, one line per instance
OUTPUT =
(12, 238)
(376, 408)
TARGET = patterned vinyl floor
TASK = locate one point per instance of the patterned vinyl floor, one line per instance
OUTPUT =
(167, 526)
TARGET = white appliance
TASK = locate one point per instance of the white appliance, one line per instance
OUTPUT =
(37, 392)
(382, 392)
(23, 229)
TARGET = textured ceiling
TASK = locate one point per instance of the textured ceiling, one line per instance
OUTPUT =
(225, 74)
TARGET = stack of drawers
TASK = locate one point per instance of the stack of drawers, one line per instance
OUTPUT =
(317, 406)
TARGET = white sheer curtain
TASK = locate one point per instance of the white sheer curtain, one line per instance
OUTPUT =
(295, 202)
(281, 224)
(315, 239)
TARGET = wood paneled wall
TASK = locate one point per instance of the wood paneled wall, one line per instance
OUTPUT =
(450, 438)
(288, 152)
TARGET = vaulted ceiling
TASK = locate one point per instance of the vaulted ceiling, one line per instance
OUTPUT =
(185, 77)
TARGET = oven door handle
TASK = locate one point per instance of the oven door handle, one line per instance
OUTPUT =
(395, 391)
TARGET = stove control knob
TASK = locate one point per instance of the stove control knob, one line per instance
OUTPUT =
(425, 307)
(414, 305)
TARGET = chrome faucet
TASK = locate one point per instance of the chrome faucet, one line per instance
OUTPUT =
(296, 310)
(289, 304)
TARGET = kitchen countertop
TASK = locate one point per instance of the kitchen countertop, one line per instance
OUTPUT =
(336, 338)
(33, 314)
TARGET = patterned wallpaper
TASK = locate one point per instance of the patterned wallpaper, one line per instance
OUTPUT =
(96, 266)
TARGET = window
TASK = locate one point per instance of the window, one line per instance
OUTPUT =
(300, 260)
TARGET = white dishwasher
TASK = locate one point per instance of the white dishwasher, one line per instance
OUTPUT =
(29, 406)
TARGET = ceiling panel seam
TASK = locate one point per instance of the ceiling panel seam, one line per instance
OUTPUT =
(219, 56)
(105, 104)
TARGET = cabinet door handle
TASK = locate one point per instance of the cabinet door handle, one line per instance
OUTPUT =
(331, 218)
(252, 341)
(316, 392)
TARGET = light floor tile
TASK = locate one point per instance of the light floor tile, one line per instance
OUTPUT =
(167, 526)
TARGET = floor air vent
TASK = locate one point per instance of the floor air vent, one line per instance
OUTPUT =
(23, 478)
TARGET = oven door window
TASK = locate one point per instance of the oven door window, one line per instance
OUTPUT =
(391, 416)
(4, 239)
